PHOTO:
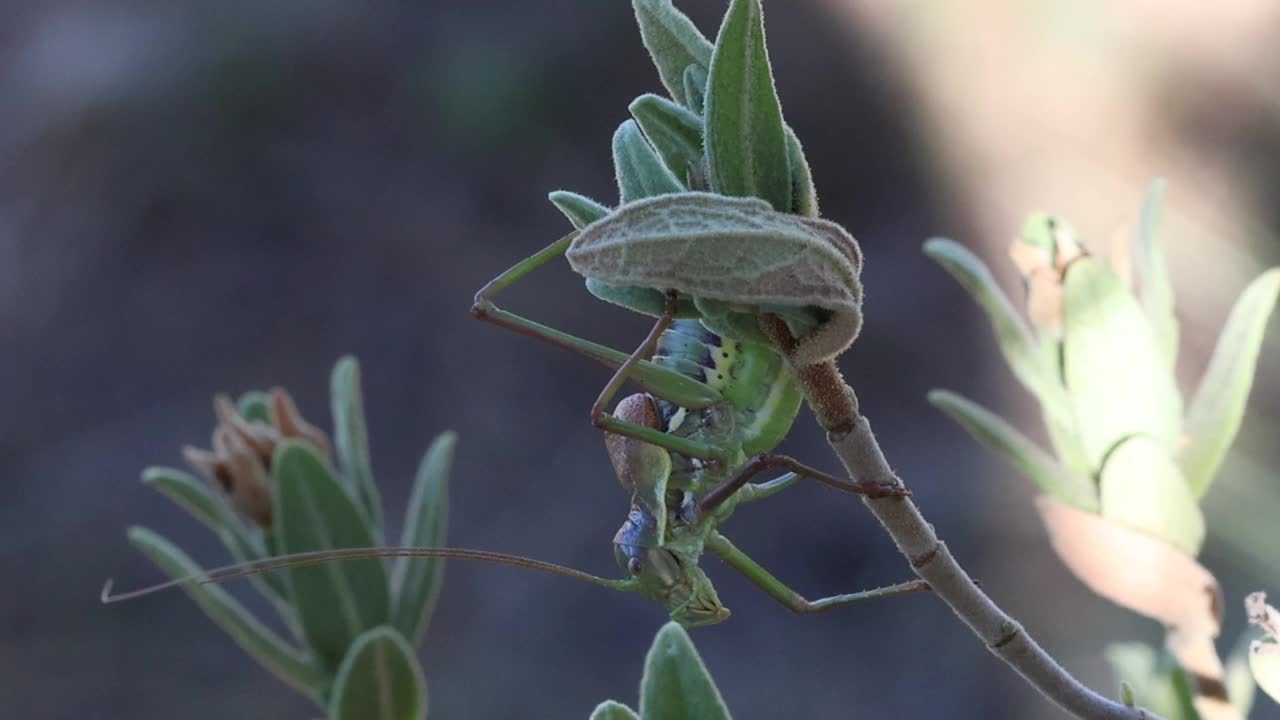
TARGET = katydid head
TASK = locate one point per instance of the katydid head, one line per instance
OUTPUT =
(666, 575)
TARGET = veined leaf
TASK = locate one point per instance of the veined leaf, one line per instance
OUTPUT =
(270, 650)
(1117, 381)
(673, 41)
(379, 679)
(415, 582)
(746, 139)
(1153, 273)
(351, 439)
(610, 710)
(1218, 405)
(1142, 487)
(675, 132)
(580, 209)
(999, 436)
(336, 601)
(676, 685)
(641, 172)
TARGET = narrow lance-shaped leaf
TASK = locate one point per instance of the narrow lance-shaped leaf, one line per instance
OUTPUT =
(1153, 273)
(415, 582)
(804, 195)
(640, 171)
(745, 136)
(673, 41)
(695, 88)
(1219, 403)
(676, 685)
(379, 679)
(611, 710)
(351, 439)
(579, 209)
(336, 601)
(675, 132)
(206, 506)
(1116, 379)
(1005, 440)
(270, 650)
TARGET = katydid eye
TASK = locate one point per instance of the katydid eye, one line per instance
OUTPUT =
(634, 565)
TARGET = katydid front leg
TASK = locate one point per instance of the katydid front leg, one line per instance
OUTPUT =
(720, 546)
(681, 390)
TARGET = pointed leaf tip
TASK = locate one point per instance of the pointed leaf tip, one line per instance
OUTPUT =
(415, 582)
(676, 684)
(673, 41)
(1218, 406)
(612, 710)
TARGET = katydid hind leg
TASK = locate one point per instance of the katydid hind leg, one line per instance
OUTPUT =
(720, 546)
(659, 380)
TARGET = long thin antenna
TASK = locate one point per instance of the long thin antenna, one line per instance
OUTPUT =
(315, 557)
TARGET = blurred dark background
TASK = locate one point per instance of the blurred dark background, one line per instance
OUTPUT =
(199, 197)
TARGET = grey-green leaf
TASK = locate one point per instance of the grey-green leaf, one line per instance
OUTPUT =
(695, 88)
(999, 436)
(255, 406)
(415, 582)
(270, 650)
(1014, 338)
(745, 136)
(676, 685)
(206, 506)
(673, 41)
(675, 132)
(1142, 487)
(1116, 378)
(804, 195)
(351, 439)
(640, 171)
(1153, 273)
(611, 710)
(379, 679)
(1219, 403)
(579, 209)
(336, 601)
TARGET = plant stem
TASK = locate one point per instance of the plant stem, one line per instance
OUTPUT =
(850, 437)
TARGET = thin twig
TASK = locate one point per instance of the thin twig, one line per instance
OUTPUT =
(850, 436)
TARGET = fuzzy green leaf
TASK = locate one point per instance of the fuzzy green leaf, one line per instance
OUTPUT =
(1219, 403)
(1142, 487)
(210, 509)
(675, 132)
(579, 209)
(804, 195)
(737, 250)
(270, 650)
(640, 171)
(1002, 438)
(745, 136)
(255, 406)
(611, 710)
(415, 582)
(676, 685)
(351, 439)
(1153, 273)
(695, 88)
(1116, 379)
(673, 41)
(379, 679)
(336, 601)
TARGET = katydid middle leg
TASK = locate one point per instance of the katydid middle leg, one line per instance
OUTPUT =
(717, 496)
(740, 561)
(669, 384)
